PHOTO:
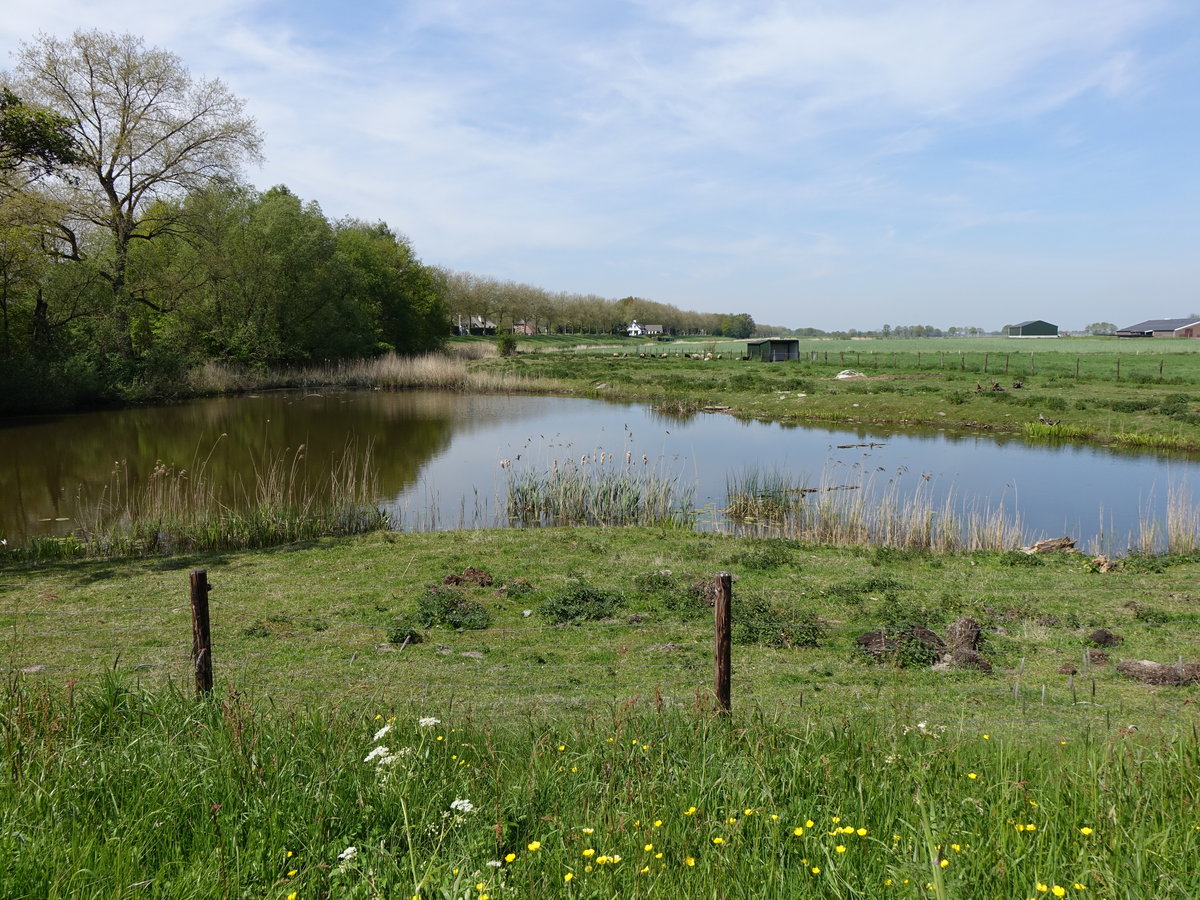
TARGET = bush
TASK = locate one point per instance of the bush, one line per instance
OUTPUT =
(506, 345)
(756, 621)
(580, 602)
(441, 606)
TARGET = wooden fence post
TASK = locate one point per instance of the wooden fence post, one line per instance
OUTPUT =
(201, 635)
(721, 642)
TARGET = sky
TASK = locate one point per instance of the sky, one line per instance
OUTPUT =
(819, 163)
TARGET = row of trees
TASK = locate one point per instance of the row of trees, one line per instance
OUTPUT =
(507, 303)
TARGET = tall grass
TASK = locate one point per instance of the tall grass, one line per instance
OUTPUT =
(113, 791)
(434, 371)
(599, 489)
(181, 509)
(862, 514)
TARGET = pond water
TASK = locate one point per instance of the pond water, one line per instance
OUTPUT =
(438, 458)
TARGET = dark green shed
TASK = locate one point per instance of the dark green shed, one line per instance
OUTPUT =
(773, 349)
(1033, 328)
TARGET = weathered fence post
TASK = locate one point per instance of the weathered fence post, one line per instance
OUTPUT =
(721, 642)
(201, 635)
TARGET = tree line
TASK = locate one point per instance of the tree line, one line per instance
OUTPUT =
(132, 251)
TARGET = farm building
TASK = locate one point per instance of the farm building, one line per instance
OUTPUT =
(1033, 328)
(773, 349)
(1188, 328)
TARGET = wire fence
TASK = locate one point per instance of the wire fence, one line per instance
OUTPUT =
(338, 658)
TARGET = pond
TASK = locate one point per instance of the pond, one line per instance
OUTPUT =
(443, 459)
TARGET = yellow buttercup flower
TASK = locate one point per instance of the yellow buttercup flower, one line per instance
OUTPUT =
(691, 861)
(534, 846)
(797, 831)
(1058, 890)
(568, 876)
(1085, 830)
(839, 849)
(510, 857)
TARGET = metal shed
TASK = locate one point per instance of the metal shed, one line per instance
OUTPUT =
(773, 349)
(1033, 328)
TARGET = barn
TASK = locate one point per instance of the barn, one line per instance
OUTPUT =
(1033, 328)
(773, 349)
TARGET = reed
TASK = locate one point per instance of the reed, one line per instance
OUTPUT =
(180, 509)
(863, 514)
(598, 490)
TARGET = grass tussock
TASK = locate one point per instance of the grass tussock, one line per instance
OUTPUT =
(599, 489)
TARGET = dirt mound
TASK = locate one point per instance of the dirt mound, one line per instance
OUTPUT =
(1150, 672)
(470, 575)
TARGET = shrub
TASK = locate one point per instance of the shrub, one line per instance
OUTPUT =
(756, 621)
(441, 606)
(506, 345)
(580, 602)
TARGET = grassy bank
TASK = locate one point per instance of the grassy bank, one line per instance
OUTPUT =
(571, 671)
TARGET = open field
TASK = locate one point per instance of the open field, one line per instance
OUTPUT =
(588, 749)
(1122, 394)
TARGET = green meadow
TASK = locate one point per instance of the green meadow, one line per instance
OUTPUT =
(577, 751)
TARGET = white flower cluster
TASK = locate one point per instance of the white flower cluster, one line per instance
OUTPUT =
(348, 854)
(463, 806)
(429, 722)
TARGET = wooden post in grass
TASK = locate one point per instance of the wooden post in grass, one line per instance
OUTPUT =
(721, 641)
(1118, 367)
(201, 635)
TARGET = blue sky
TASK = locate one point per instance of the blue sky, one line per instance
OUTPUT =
(826, 164)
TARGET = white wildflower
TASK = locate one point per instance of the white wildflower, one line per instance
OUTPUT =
(348, 854)
(464, 806)
(494, 863)
(429, 722)
(378, 752)
(527, 613)
(381, 732)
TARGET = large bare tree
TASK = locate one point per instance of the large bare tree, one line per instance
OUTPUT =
(144, 130)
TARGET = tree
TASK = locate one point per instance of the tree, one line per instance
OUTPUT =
(1100, 328)
(144, 130)
(33, 142)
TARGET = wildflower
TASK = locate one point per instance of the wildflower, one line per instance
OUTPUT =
(534, 846)
(289, 855)
(1058, 890)
(808, 823)
(747, 812)
(732, 820)
(840, 848)
(493, 863)
(562, 747)
(510, 857)
(292, 873)
(690, 861)
(1085, 830)
(648, 847)
(658, 823)
(292, 895)
(718, 840)
(590, 851)
(381, 732)
(588, 830)
(568, 876)
(428, 722)
(1041, 888)
(1079, 887)
(862, 832)
(644, 869)
(797, 831)
(464, 806)
(348, 854)
(377, 753)
(836, 819)
(972, 775)
(955, 847)
(944, 863)
(690, 811)
(816, 870)
(987, 737)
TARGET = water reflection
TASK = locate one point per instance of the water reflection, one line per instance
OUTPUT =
(437, 456)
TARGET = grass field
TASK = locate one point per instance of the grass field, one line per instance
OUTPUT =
(1135, 394)
(117, 784)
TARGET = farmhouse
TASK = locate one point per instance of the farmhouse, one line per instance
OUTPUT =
(475, 325)
(1033, 328)
(637, 330)
(1187, 328)
(773, 349)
